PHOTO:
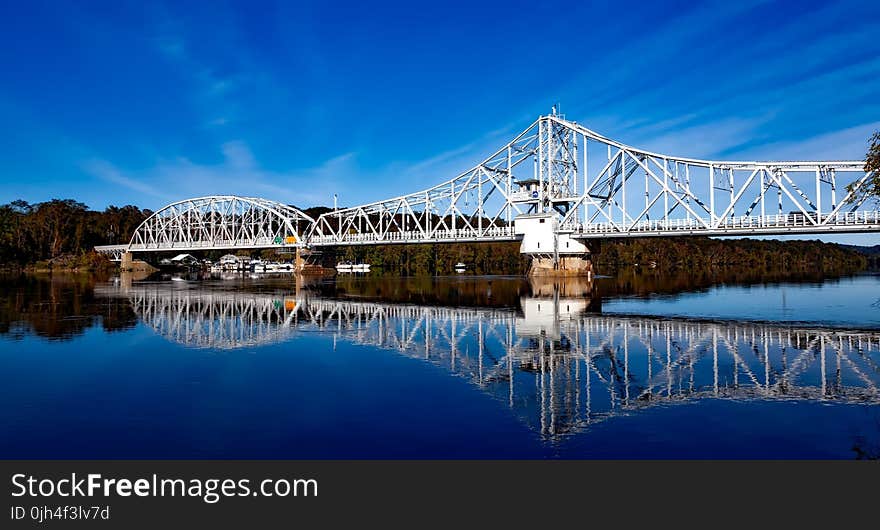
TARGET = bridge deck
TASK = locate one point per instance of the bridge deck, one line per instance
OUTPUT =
(852, 222)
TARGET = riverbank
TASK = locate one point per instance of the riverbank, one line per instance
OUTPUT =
(86, 262)
(672, 255)
(679, 254)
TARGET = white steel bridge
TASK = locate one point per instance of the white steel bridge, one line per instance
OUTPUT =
(556, 183)
(559, 367)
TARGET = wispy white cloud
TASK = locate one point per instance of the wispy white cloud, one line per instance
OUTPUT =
(704, 140)
(414, 175)
(212, 91)
(845, 144)
(685, 81)
(238, 173)
(111, 174)
(171, 46)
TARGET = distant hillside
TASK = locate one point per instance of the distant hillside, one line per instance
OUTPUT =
(867, 251)
(872, 254)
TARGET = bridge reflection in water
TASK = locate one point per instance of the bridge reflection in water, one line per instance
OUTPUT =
(557, 365)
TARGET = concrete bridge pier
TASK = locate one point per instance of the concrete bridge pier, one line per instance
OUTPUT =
(129, 264)
(553, 251)
(298, 261)
(565, 265)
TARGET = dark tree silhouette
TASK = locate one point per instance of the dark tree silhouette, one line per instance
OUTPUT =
(872, 163)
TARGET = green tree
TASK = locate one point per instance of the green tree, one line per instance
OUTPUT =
(872, 164)
(35, 232)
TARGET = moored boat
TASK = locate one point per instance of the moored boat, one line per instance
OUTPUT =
(347, 266)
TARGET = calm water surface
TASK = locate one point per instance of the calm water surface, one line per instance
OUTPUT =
(492, 367)
(844, 302)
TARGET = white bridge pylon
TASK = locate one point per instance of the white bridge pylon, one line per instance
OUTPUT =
(586, 185)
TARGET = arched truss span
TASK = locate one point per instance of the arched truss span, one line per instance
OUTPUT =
(221, 222)
(598, 187)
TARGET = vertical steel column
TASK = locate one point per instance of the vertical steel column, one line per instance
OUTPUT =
(687, 182)
(586, 172)
(509, 187)
(778, 189)
(833, 180)
(480, 202)
(666, 195)
(763, 190)
(427, 215)
(730, 178)
(573, 171)
(452, 206)
(711, 195)
(622, 187)
(540, 207)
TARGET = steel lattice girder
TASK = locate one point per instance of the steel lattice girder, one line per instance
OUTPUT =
(595, 186)
(222, 222)
(623, 192)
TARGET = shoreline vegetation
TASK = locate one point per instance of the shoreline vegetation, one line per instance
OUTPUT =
(678, 254)
(59, 235)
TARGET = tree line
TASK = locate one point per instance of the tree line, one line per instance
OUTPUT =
(62, 229)
(611, 255)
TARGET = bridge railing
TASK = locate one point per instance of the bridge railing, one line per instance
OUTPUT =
(499, 233)
(742, 224)
(260, 242)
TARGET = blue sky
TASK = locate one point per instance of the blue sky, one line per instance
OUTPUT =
(149, 102)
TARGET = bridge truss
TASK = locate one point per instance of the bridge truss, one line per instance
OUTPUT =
(597, 187)
(591, 186)
(222, 222)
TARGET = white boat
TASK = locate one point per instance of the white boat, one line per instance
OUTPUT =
(230, 262)
(347, 266)
(274, 266)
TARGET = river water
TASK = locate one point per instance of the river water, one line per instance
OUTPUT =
(634, 366)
